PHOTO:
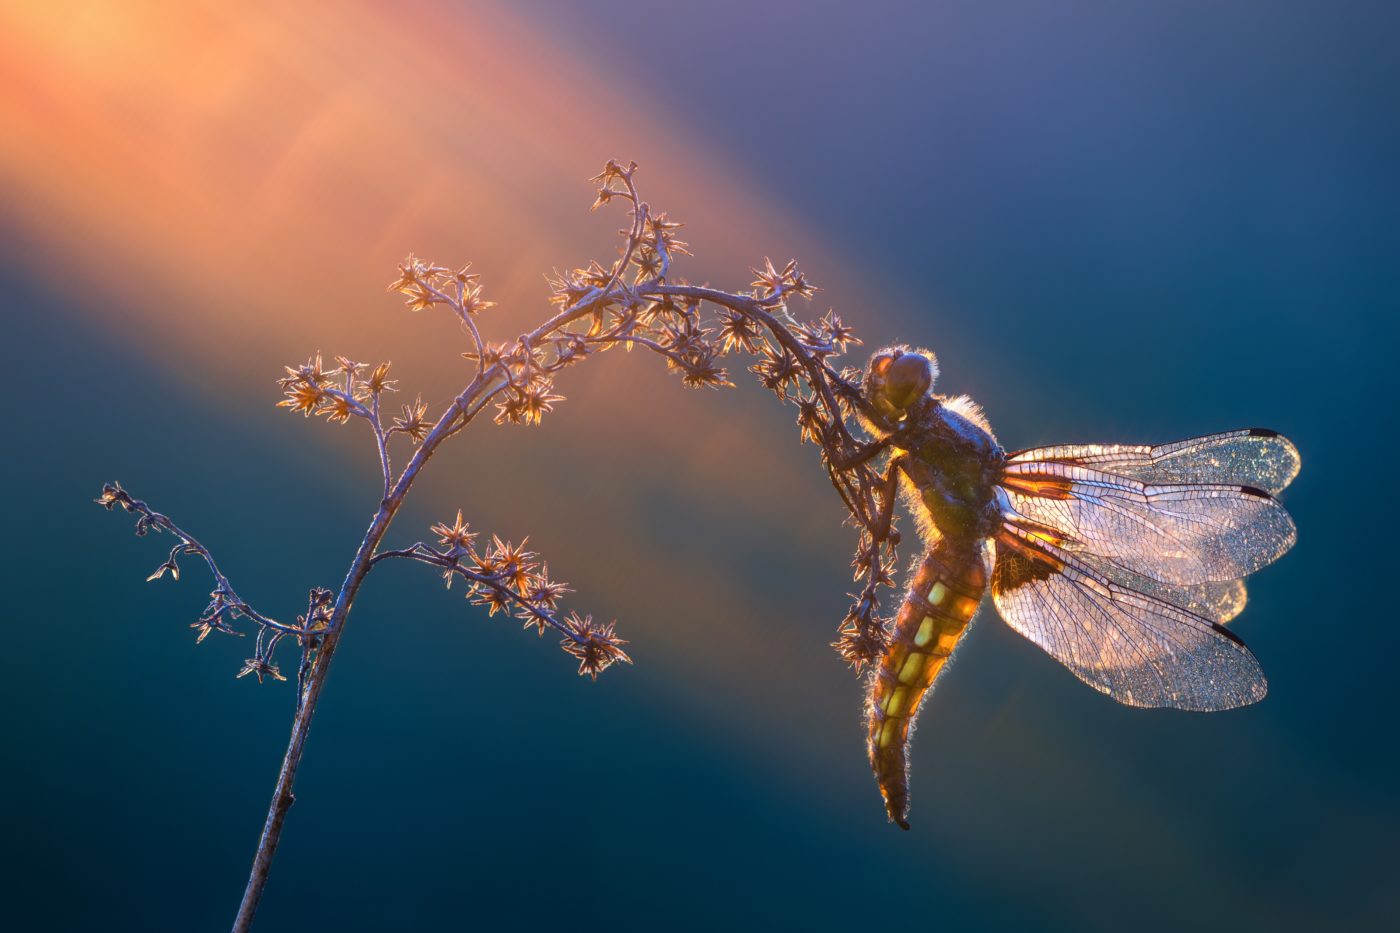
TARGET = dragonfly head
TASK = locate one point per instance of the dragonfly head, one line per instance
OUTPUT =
(897, 378)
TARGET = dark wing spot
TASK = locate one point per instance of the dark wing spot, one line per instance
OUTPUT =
(1019, 565)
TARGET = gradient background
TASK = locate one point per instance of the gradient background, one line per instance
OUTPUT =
(1114, 222)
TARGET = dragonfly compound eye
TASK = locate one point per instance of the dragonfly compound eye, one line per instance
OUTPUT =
(907, 377)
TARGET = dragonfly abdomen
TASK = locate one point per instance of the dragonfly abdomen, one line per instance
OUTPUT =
(942, 597)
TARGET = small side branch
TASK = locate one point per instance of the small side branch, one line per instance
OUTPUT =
(507, 578)
(228, 600)
(225, 605)
(348, 390)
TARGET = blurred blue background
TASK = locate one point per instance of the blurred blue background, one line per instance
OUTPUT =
(1113, 222)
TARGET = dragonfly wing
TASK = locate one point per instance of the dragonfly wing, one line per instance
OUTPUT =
(1254, 457)
(1177, 534)
(1130, 645)
(1218, 601)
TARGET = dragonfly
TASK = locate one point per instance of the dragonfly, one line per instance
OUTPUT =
(1123, 562)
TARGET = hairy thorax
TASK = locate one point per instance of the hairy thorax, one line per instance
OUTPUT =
(950, 463)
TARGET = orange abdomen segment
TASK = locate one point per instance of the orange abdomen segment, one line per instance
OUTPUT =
(942, 597)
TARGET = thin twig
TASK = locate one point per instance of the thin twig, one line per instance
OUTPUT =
(150, 520)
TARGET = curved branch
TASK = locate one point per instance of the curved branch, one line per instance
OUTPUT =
(148, 519)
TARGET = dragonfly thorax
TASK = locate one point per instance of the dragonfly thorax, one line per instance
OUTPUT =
(951, 464)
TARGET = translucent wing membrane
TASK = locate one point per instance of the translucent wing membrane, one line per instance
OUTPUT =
(1181, 535)
(1217, 601)
(1130, 645)
(1253, 457)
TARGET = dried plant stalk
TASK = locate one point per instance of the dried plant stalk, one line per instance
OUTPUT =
(635, 301)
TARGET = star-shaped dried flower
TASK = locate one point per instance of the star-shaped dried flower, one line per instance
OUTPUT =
(351, 368)
(494, 598)
(512, 563)
(659, 310)
(686, 338)
(860, 641)
(413, 422)
(596, 645)
(662, 234)
(492, 353)
(312, 372)
(408, 276)
(546, 592)
(379, 381)
(336, 408)
(838, 334)
(472, 302)
(768, 278)
(568, 288)
(777, 370)
(702, 371)
(421, 298)
(302, 396)
(772, 281)
(659, 223)
(810, 421)
(215, 617)
(260, 668)
(648, 263)
(214, 622)
(738, 331)
(595, 274)
(511, 410)
(797, 282)
(431, 270)
(457, 537)
(537, 400)
(113, 495)
(463, 278)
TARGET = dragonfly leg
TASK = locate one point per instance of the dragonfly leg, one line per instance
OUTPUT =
(889, 491)
(862, 454)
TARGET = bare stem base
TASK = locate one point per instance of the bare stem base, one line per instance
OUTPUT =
(282, 796)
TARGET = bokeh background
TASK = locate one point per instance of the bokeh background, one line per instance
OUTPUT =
(1113, 221)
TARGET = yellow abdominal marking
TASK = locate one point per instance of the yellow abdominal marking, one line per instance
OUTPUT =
(913, 668)
(938, 637)
(925, 632)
